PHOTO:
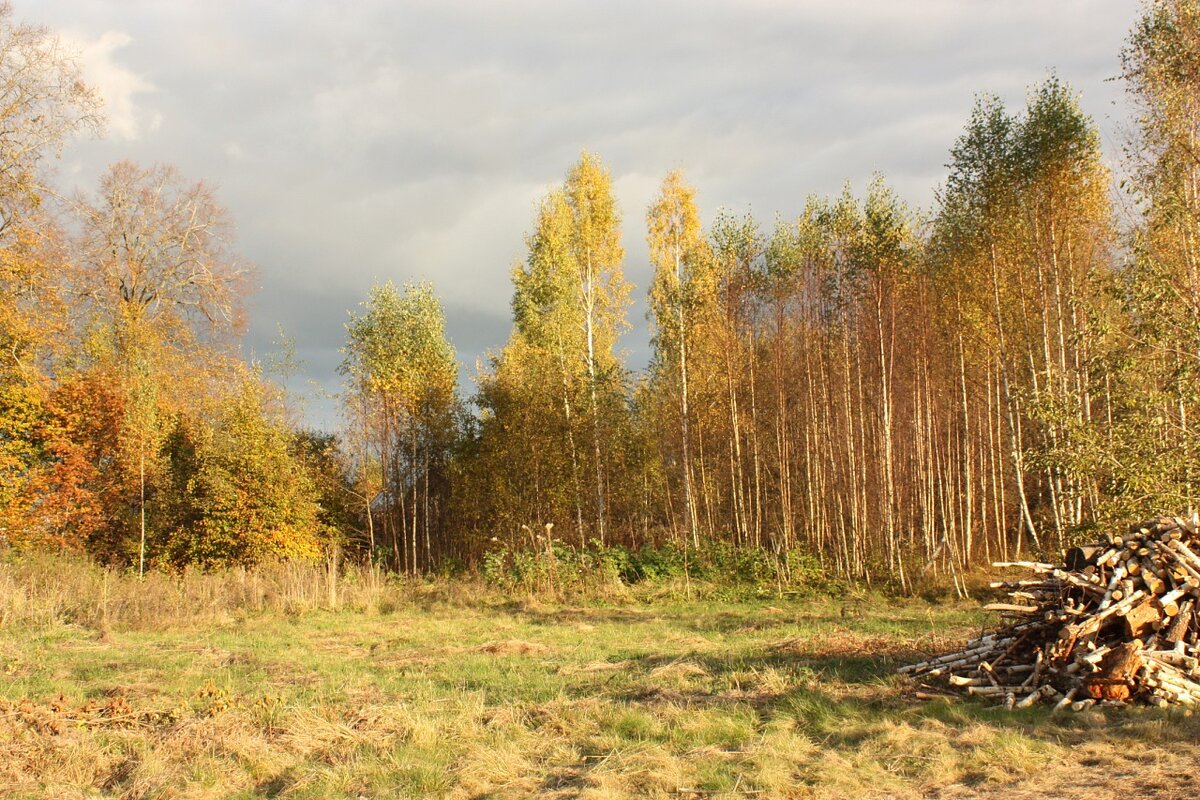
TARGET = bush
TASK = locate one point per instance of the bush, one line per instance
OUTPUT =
(564, 568)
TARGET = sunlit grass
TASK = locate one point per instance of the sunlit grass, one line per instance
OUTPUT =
(454, 696)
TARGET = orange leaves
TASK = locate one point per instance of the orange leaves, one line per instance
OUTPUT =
(60, 486)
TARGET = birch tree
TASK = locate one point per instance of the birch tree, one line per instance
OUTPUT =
(402, 373)
(603, 299)
(677, 253)
(569, 305)
(1157, 447)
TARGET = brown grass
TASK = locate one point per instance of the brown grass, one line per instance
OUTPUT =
(41, 589)
(417, 690)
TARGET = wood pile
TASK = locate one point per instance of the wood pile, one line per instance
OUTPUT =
(1117, 623)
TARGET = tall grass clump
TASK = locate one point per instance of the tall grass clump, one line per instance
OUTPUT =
(42, 589)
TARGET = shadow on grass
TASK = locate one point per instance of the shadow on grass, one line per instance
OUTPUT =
(840, 683)
(691, 618)
(845, 699)
(728, 619)
(591, 616)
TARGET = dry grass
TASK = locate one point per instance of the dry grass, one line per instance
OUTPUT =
(44, 589)
(407, 690)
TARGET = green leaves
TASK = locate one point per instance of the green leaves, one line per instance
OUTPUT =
(398, 348)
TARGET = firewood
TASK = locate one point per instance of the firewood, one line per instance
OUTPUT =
(1169, 602)
(1065, 700)
(1177, 630)
(1011, 608)
(1118, 621)
(1115, 677)
(1034, 565)
(1114, 584)
(1029, 699)
(1079, 557)
(1142, 618)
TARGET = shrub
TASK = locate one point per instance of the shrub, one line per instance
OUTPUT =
(560, 567)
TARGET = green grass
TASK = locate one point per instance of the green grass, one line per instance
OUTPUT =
(492, 698)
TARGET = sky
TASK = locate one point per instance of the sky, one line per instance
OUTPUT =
(362, 141)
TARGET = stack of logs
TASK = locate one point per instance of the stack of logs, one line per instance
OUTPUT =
(1117, 623)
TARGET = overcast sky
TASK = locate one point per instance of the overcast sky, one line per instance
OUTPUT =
(360, 141)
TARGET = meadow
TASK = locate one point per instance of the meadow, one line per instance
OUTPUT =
(257, 684)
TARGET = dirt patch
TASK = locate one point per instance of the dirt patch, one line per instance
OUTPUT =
(844, 643)
(595, 666)
(511, 647)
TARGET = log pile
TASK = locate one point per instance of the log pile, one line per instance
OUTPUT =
(1117, 623)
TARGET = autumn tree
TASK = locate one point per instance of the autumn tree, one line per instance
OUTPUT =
(402, 373)
(117, 313)
(239, 495)
(737, 245)
(45, 103)
(594, 244)
(546, 354)
(1155, 431)
(71, 481)
(569, 303)
(162, 289)
(677, 251)
(1024, 236)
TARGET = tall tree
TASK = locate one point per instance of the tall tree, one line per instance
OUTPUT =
(737, 247)
(602, 294)
(569, 304)
(677, 253)
(43, 103)
(402, 372)
(883, 256)
(1156, 431)
(549, 329)
(162, 287)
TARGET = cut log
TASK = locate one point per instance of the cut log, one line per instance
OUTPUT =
(1115, 679)
(1117, 622)
(1079, 557)
(1178, 628)
(1142, 619)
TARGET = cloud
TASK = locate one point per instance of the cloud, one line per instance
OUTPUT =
(357, 143)
(117, 85)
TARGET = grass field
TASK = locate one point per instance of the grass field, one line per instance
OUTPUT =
(468, 695)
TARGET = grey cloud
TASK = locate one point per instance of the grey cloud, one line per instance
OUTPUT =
(360, 142)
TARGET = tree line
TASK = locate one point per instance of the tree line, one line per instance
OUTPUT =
(892, 391)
